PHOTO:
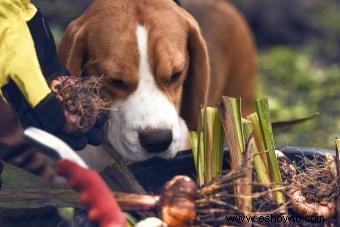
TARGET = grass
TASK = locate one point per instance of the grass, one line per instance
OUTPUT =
(297, 84)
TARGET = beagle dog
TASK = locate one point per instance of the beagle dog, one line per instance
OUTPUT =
(161, 62)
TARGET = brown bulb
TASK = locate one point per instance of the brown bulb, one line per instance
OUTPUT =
(178, 202)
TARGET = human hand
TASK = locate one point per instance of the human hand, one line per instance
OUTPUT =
(84, 109)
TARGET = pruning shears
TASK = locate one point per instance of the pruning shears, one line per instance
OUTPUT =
(94, 192)
(52, 146)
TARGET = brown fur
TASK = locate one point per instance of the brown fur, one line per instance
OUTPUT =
(103, 41)
(231, 50)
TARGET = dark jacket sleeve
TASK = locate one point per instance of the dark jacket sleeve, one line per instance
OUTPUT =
(28, 60)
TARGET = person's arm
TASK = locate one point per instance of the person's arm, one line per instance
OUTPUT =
(22, 82)
(28, 64)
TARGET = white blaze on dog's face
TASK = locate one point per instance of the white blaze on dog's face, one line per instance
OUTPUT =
(147, 123)
(155, 66)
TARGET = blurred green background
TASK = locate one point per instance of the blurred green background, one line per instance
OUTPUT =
(299, 56)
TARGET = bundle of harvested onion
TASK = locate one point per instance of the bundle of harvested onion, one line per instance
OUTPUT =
(82, 100)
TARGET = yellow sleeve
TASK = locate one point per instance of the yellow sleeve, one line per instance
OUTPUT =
(18, 59)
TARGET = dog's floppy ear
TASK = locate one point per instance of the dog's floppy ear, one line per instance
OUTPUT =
(196, 85)
(72, 47)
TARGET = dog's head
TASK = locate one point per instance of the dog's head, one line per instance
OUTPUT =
(155, 65)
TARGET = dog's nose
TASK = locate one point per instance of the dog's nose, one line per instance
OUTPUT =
(155, 141)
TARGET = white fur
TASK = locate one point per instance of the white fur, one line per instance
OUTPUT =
(146, 108)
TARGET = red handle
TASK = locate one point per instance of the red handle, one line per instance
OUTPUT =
(94, 194)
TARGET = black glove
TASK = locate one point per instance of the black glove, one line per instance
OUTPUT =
(49, 115)
(94, 136)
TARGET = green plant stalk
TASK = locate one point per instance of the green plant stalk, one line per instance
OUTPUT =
(247, 129)
(198, 153)
(201, 150)
(201, 158)
(214, 140)
(262, 109)
(218, 143)
(248, 165)
(230, 112)
(259, 155)
(207, 146)
(254, 119)
(194, 146)
(260, 167)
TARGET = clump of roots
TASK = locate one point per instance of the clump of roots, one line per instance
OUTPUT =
(81, 97)
(218, 200)
(317, 179)
(310, 187)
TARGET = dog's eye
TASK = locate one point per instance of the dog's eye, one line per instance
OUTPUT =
(119, 84)
(174, 77)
